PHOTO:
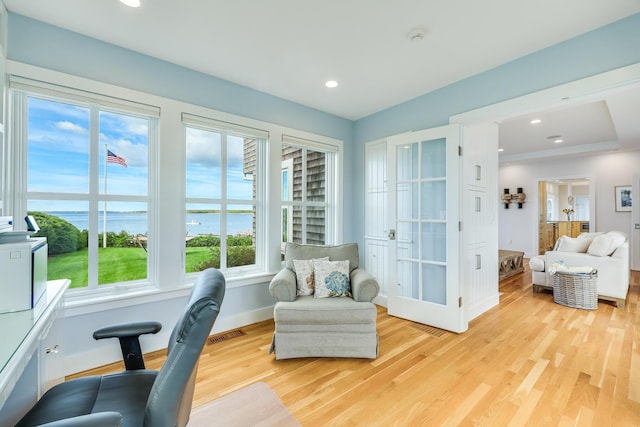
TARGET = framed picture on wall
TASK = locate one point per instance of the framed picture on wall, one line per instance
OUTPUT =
(623, 198)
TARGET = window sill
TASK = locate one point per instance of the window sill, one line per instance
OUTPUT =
(119, 298)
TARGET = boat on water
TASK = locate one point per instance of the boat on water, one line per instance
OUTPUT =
(192, 222)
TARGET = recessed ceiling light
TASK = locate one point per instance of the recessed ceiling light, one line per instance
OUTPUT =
(416, 35)
(331, 84)
(131, 3)
(535, 121)
(500, 150)
(557, 141)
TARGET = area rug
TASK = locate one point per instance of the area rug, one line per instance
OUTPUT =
(256, 405)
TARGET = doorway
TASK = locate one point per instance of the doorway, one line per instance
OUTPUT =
(564, 209)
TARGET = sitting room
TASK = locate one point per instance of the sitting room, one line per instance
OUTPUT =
(180, 158)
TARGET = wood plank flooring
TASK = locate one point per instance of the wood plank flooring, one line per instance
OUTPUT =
(528, 361)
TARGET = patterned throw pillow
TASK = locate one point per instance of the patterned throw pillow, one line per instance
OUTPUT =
(332, 279)
(305, 283)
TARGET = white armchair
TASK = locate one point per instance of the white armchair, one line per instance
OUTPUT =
(612, 264)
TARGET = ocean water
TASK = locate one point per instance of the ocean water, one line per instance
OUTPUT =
(136, 222)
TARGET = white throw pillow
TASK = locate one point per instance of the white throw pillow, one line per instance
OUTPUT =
(573, 244)
(305, 283)
(617, 240)
(589, 235)
(606, 244)
(600, 245)
(332, 279)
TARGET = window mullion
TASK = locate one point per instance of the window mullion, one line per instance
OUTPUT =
(223, 204)
(94, 191)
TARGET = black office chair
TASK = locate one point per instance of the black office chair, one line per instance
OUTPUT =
(139, 397)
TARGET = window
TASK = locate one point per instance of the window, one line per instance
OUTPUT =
(86, 180)
(308, 191)
(224, 212)
(214, 190)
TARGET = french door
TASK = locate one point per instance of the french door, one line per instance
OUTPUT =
(424, 236)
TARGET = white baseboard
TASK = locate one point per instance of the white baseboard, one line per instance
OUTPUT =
(74, 363)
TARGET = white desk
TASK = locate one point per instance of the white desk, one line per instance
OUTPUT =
(23, 332)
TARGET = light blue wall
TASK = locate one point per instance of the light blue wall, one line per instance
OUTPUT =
(610, 47)
(36, 43)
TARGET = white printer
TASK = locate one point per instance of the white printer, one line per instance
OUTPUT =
(23, 273)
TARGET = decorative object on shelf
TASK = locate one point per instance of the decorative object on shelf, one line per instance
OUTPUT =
(623, 198)
(518, 197)
(569, 212)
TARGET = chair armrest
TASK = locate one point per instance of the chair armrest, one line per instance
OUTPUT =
(128, 334)
(99, 419)
(283, 285)
(364, 286)
(122, 330)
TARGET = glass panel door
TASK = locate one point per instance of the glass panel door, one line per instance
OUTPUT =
(424, 241)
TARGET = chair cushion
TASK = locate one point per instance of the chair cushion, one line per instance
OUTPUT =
(324, 311)
(347, 251)
(332, 279)
(124, 392)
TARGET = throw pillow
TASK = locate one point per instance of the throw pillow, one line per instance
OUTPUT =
(573, 244)
(606, 244)
(305, 282)
(332, 279)
(600, 245)
(617, 239)
(589, 235)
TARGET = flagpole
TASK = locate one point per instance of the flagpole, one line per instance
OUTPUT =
(104, 212)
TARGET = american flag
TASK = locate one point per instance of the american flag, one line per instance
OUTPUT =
(113, 158)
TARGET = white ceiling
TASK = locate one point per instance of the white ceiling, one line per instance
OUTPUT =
(611, 122)
(289, 48)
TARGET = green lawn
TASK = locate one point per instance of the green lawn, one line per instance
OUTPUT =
(114, 265)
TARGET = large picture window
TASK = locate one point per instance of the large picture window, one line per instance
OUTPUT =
(86, 169)
(135, 200)
(224, 175)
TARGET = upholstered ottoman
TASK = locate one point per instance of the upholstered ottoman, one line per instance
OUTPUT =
(325, 327)
(538, 274)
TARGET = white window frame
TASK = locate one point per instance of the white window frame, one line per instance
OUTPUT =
(166, 272)
(20, 89)
(226, 129)
(333, 175)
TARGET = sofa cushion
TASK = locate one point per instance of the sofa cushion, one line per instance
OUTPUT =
(573, 244)
(305, 282)
(332, 279)
(606, 244)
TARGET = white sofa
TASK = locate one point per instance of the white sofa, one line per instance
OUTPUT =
(607, 252)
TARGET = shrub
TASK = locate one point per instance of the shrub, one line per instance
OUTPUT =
(236, 256)
(204, 241)
(62, 236)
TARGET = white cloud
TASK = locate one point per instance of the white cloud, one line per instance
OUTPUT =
(71, 127)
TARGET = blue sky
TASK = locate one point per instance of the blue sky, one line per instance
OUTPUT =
(59, 156)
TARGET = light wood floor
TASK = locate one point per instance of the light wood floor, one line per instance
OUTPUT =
(528, 361)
